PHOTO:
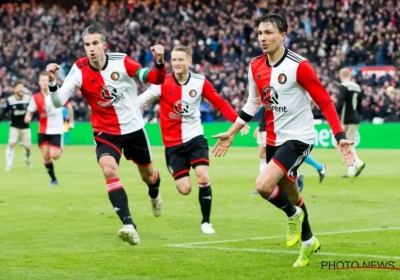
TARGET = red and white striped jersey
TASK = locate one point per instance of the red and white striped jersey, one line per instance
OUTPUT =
(51, 119)
(110, 92)
(285, 89)
(180, 107)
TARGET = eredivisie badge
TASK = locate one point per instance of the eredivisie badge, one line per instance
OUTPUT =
(114, 76)
(192, 93)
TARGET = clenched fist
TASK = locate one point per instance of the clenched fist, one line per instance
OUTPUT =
(52, 71)
(158, 53)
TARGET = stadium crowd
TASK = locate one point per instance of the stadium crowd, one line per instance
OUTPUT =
(331, 34)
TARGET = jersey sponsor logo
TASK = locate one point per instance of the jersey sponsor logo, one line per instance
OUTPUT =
(282, 78)
(111, 96)
(271, 100)
(114, 76)
(19, 112)
(192, 93)
(182, 110)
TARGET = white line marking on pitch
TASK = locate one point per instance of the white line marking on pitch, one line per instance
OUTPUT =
(275, 237)
(290, 252)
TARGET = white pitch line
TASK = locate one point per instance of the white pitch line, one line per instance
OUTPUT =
(275, 237)
(290, 252)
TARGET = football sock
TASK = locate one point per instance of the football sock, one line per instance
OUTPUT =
(27, 153)
(50, 169)
(119, 200)
(280, 199)
(310, 160)
(205, 199)
(263, 163)
(9, 156)
(306, 233)
(153, 188)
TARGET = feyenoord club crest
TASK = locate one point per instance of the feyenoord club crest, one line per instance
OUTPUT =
(282, 78)
(192, 93)
(114, 76)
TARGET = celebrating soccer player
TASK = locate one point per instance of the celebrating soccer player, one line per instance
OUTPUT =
(106, 82)
(283, 82)
(51, 125)
(16, 106)
(186, 147)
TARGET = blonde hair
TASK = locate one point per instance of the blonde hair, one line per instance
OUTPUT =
(185, 49)
(345, 73)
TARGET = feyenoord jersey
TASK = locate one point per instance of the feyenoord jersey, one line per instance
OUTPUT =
(110, 92)
(180, 107)
(50, 118)
(284, 89)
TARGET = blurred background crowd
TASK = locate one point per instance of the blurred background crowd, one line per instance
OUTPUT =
(361, 34)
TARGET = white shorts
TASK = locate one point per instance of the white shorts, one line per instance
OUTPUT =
(21, 135)
(262, 138)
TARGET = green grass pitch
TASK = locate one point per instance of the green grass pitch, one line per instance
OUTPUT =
(70, 231)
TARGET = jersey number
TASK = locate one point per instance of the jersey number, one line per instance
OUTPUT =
(355, 101)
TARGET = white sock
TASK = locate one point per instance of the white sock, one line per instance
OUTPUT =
(263, 163)
(308, 242)
(351, 171)
(358, 161)
(9, 156)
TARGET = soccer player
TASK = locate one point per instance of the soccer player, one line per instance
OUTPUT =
(283, 82)
(185, 145)
(51, 125)
(349, 109)
(107, 83)
(16, 106)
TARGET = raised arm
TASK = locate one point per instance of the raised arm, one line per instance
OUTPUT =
(60, 95)
(155, 76)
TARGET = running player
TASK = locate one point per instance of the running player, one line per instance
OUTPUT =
(283, 82)
(107, 83)
(16, 106)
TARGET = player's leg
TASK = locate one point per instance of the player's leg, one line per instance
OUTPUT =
(178, 164)
(44, 145)
(318, 166)
(198, 152)
(293, 154)
(12, 140)
(108, 152)
(261, 141)
(27, 143)
(137, 148)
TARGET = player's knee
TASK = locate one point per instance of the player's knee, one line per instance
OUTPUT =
(262, 186)
(184, 189)
(203, 178)
(55, 154)
(11, 145)
(110, 171)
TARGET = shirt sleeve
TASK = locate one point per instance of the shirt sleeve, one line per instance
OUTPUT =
(155, 76)
(307, 78)
(32, 107)
(253, 102)
(60, 95)
(218, 102)
(152, 93)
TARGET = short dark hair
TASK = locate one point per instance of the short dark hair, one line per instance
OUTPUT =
(91, 29)
(18, 82)
(276, 19)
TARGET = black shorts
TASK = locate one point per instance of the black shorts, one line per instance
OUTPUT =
(135, 146)
(289, 156)
(54, 140)
(190, 154)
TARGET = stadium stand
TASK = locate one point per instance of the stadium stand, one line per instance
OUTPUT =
(363, 35)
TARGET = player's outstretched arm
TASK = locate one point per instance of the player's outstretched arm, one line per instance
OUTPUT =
(307, 78)
(155, 76)
(152, 93)
(60, 95)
